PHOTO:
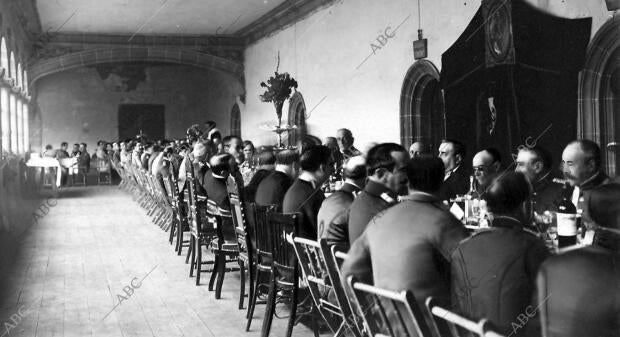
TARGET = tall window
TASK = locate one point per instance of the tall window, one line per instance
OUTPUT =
(235, 121)
(13, 69)
(4, 56)
(25, 79)
(20, 127)
(13, 114)
(26, 128)
(18, 76)
(6, 121)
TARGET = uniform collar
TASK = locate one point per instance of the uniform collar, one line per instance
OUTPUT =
(350, 187)
(376, 189)
(420, 196)
(542, 182)
(597, 179)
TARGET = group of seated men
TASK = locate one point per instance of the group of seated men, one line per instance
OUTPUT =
(392, 212)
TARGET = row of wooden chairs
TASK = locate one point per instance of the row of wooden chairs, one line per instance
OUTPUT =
(266, 247)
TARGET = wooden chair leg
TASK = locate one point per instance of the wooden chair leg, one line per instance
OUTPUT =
(214, 270)
(315, 323)
(198, 245)
(270, 309)
(293, 316)
(242, 283)
(251, 271)
(179, 239)
(252, 304)
(190, 250)
(221, 271)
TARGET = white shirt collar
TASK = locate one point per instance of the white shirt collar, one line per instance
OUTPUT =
(309, 177)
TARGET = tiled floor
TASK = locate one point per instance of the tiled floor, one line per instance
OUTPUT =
(78, 264)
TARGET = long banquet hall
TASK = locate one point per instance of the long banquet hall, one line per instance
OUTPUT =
(347, 168)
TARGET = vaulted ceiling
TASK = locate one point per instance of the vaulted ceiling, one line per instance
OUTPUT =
(151, 17)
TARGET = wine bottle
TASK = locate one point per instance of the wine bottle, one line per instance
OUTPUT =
(567, 220)
(471, 200)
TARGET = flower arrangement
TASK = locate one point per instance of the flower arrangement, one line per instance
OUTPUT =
(278, 90)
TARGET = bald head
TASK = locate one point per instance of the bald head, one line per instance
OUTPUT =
(581, 160)
(416, 149)
(345, 139)
(486, 164)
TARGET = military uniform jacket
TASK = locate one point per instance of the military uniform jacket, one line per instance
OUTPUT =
(546, 195)
(252, 186)
(596, 180)
(373, 199)
(333, 217)
(408, 246)
(302, 197)
(494, 274)
(272, 189)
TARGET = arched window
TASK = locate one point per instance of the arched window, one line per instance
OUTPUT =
(235, 121)
(19, 75)
(599, 94)
(422, 116)
(5, 120)
(25, 80)
(26, 117)
(4, 56)
(13, 69)
(297, 117)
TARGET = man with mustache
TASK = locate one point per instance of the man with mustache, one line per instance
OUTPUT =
(581, 165)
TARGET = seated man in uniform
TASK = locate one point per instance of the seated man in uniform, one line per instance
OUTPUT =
(456, 181)
(272, 189)
(305, 195)
(579, 290)
(333, 217)
(494, 271)
(409, 245)
(385, 180)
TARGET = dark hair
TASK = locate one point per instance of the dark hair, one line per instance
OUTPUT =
(346, 132)
(591, 150)
(221, 163)
(156, 148)
(458, 146)
(380, 156)
(64, 144)
(76, 144)
(425, 173)
(83, 144)
(210, 125)
(312, 158)
(48, 147)
(497, 157)
(541, 155)
(248, 142)
(266, 158)
(356, 172)
(287, 157)
(507, 192)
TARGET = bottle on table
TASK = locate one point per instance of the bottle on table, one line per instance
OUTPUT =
(566, 217)
(472, 201)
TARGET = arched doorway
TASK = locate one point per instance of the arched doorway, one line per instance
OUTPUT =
(297, 116)
(599, 94)
(422, 115)
(235, 121)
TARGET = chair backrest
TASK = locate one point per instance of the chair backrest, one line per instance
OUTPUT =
(447, 322)
(279, 227)
(334, 254)
(257, 220)
(193, 218)
(242, 231)
(387, 312)
(312, 262)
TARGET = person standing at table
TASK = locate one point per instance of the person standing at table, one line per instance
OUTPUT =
(385, 180)
(581, 165)
(579, 290)
(494, 270)
(333, 217)
(271, 190)
(456, 181)
(535, 164)
(409, 245)
(305, 195)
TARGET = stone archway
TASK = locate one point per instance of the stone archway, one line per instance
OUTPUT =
(422, 115)
(297, 116)
(599, 93)
(90, 57)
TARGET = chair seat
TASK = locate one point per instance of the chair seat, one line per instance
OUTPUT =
(231, 247)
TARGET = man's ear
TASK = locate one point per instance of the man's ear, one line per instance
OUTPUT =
(590, 164)
(459, 159)
(538, 167)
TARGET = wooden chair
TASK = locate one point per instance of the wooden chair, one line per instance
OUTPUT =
(104, 174)
(446, 322)
(334, 255)
(242, 231)
(202, 232)
(225, 249)
(314, 268)
(284, 283)
(388, 313)
(257, 221)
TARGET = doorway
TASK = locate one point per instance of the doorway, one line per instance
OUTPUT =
(146, 119)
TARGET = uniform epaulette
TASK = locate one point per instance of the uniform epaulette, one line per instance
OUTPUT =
(387, 198)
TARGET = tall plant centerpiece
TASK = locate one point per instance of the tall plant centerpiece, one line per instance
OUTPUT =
(278, 90)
